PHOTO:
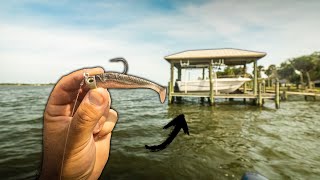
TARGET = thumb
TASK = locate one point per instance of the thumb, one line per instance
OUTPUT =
(91, 109)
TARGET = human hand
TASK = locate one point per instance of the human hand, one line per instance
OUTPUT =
(82, 151)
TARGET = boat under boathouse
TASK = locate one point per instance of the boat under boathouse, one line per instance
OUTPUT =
(216, 87)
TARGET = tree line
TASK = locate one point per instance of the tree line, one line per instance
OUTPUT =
(301, 70)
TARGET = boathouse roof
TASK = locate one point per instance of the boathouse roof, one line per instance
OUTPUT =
(230, 56)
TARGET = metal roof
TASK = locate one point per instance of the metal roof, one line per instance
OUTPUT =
(229, 56)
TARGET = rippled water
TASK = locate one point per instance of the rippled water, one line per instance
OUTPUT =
(225, 140)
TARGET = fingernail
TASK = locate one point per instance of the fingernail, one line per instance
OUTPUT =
(95, 97)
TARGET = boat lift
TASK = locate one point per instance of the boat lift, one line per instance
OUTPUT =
(209, 58)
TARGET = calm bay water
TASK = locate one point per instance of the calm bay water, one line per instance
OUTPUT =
(225, 140)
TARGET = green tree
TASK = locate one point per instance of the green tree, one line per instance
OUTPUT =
(271, 73)
(315, 73)
(305, 65)
(287, 71)
(231, 71)
(260, 68)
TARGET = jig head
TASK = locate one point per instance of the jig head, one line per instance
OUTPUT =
(91, 80)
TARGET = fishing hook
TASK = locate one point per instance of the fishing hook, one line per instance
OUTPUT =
(91, 81)
(124, 61)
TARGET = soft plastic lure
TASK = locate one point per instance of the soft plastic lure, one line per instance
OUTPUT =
(114, 80)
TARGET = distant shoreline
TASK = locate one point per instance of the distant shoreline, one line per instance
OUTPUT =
(26, 84)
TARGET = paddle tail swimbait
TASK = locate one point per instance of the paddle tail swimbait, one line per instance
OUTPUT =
(114, 80)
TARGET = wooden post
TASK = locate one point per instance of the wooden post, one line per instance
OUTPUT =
(277, 91)
(260, 94)
(284, 95)
(255, 77)
(211, 84)
(169, 93)
(177, 98)
(245, 83)
(203, 78)
(202, 100)
(308, 97)
(171, 83)
(203, 72)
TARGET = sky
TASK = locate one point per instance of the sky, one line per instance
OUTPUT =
(41, 40)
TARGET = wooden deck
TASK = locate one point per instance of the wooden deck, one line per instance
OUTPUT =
(298, 93)
(223, 96)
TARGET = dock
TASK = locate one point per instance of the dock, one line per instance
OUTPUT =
(206, 60)
(224, 96)
(307, 95)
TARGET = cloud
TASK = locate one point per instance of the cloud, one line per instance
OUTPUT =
(44, 40)
(33, 51)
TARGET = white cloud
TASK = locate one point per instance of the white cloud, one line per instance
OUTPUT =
(44, 50)
(44, 54)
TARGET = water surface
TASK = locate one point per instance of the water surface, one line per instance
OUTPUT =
(225, 140)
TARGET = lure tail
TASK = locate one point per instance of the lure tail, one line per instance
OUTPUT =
(162, 94)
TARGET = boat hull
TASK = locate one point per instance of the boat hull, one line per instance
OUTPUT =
(224, 85)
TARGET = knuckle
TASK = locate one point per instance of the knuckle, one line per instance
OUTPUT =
(113, 114)
(86, 116)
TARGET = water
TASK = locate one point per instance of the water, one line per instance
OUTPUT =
(225, 140)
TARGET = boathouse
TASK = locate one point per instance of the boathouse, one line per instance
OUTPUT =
(206, 59)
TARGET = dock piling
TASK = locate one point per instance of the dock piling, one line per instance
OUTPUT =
(277, 91)
(284, 96)
(211, 84)
(169, 94)
(245, 75)
(260, 94)
(255, 77)
(171, 83)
